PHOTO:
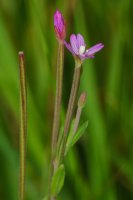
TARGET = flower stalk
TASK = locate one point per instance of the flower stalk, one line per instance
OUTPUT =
(58, 97)
(71, 104)
(60, 32)
(23, 125)
(57, 111)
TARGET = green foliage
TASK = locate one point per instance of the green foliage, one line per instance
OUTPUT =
(45, 198)
(100, 168)
(72, 139)
(58, 180)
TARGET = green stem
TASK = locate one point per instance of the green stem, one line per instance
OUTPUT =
(58, 97)
(57, 111)
(71, 104)
(23, 125)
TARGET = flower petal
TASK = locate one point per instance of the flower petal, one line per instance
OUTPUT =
(74, 44)
(94, 49)
(80, 40)
(68, 46)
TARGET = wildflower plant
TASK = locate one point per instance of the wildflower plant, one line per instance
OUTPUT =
(62, 138)
(66, 139)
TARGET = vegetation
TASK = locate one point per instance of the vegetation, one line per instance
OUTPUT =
(100, 166)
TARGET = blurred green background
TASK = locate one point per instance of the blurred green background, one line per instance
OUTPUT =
(100, 166)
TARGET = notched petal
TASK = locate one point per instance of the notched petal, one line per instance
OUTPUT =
(94, 49)
(74, 43)
(80, 40)
(68, 46)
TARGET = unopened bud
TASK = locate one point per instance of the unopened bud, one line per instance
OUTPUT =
(82, 100)
(59, 26)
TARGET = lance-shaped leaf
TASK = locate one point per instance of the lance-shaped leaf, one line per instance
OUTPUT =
(76, 137)
(58, 180)
(45, 198)
(71, 132)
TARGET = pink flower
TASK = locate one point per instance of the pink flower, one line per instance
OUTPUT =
(77, 47)
(59, 26)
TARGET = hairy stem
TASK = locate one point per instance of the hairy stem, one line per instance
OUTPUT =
(23, 125)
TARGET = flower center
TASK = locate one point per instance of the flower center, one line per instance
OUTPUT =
(81, 49)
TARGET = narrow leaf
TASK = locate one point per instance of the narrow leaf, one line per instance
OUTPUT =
(58, 180)
(70, 135)
(45, 198)
(76, 137)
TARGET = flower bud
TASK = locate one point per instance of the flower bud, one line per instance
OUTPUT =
(82, 100)
(59, 26)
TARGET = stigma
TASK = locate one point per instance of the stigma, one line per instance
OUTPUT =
(81, 49)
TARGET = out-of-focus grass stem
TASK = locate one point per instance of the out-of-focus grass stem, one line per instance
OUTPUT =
(23, 125)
